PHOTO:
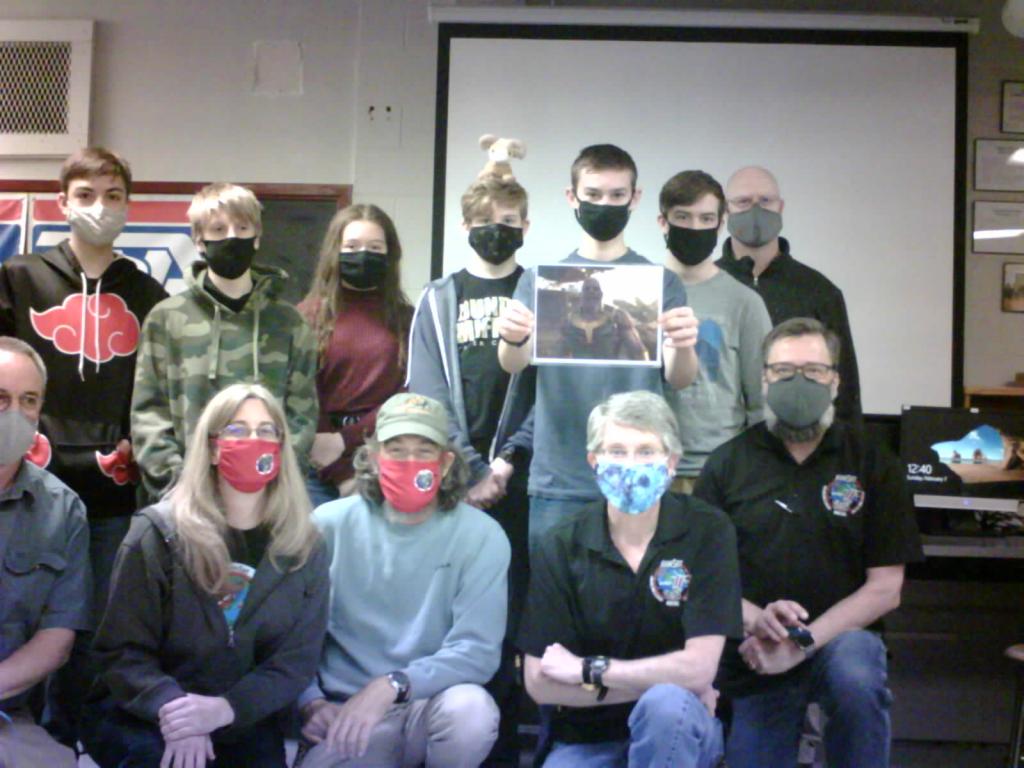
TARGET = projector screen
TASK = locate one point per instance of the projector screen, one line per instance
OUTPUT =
(863, 131)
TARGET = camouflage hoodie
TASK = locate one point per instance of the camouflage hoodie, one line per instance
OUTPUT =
(193, 346)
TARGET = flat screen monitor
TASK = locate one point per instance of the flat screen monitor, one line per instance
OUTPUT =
(964, 459)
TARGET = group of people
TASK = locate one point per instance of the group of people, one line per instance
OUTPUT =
(354, 518)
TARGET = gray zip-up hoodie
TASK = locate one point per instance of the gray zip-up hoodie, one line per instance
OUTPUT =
(434, 371)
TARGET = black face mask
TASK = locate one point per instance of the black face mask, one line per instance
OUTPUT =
(495, 243)
(602, 222)
(363, 269)
(231, 257)
(691, 246)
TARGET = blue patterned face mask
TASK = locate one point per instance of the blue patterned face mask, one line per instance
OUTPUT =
(632, 488)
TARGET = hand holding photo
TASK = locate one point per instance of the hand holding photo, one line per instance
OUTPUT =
(598, 315)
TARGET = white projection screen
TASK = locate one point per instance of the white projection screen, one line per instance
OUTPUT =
(864, 131)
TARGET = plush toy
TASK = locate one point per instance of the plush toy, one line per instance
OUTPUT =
(499, 152)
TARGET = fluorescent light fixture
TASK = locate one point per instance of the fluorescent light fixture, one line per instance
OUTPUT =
(997, 234)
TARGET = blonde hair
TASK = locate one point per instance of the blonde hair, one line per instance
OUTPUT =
(478, 199)
(198, 508)
(239, 203)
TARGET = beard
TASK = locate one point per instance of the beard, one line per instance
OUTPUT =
(790, 434)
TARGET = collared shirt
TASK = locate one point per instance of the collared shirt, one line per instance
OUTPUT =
(45, 580)
(808, 532)
(585, 596)
(790, 288)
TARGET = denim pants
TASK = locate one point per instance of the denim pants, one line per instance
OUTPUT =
(319, 491)
(668, 728)
(115, 739)
(546, 512)
(848, 680)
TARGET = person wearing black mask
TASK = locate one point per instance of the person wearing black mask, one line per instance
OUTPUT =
(726, 396)
(453, 358)
(824, 527)
(756, 256)
(603, 192)
(360, 316)
(228, 327)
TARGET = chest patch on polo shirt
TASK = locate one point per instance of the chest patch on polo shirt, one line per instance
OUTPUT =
(670, 582)
(843, 496)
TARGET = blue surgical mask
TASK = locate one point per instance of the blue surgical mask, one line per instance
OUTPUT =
(632, 488)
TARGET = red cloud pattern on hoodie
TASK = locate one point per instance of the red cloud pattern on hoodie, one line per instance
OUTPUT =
(111, 331)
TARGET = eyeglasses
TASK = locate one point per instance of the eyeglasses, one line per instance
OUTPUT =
(640, 455)
(818, 372)
(239, 430)
(748, 201)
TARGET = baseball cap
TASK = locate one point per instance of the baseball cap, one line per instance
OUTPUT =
(411, 414)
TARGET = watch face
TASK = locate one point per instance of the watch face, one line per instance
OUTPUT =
(599, 664)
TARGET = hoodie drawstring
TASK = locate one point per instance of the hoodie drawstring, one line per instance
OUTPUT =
(84, 323)
(256, 345)
(81, 345)
(96, 311)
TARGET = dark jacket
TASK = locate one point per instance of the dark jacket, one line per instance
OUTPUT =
(90, 359)
(163, 636)
(434, 371)
(793, 289)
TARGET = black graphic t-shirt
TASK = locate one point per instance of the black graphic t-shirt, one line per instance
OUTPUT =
(246, 549)
(484, 383)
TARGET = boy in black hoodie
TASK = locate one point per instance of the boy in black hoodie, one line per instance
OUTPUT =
(80, 306)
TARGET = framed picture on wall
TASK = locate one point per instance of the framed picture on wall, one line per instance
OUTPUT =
(1013, 107)
(1013, 287)
(998, 227)
(999, 165)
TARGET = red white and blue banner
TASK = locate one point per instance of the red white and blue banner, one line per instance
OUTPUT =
(13, 221)
(157, 237)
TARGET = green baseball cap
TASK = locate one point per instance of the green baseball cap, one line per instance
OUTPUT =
(410, 414)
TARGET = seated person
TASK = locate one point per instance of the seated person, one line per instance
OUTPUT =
(630, 602)
(218, 603)
(824, 525)
(418, 605)
(594, 330)
(228, 327)
(45, 581)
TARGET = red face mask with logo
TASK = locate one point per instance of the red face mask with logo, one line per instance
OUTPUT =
(248, 465)
(409, 486)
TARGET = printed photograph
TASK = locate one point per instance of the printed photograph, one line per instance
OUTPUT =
(1013, 287)
(595, 315)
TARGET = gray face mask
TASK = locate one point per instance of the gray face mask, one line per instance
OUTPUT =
(16, 436)
(756, 226)
(798, 402)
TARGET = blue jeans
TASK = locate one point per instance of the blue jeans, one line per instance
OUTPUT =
(546, 512)
(319, 491)
(848, 679)
(115, 739)
(668, 728)
(67, 687)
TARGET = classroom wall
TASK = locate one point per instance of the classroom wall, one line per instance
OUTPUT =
(172, 91)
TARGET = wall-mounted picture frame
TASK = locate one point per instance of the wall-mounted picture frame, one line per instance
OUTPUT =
(999, 165)
(1013, 287)
(998, 227)
(1012, 118)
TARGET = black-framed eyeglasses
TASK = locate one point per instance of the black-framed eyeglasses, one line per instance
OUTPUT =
(819, 372)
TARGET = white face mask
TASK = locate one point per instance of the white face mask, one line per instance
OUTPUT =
(97, 224)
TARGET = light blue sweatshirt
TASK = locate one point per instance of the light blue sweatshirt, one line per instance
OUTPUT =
(428, 599)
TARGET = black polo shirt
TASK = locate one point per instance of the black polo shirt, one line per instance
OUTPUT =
(584, 595)
(792, 289)
(809, 532)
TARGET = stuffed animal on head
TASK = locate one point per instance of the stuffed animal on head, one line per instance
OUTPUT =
(499, 152)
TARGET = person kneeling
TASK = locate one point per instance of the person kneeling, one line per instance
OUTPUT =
(418, 605)
(630, 603)
(218, 603)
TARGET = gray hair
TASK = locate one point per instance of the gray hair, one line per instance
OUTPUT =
(795, 327)
(640, 410)
(19, 347)
(453, 485)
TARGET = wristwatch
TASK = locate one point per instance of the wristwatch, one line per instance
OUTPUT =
(400, 682)
(594, 668)
(803, 638)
